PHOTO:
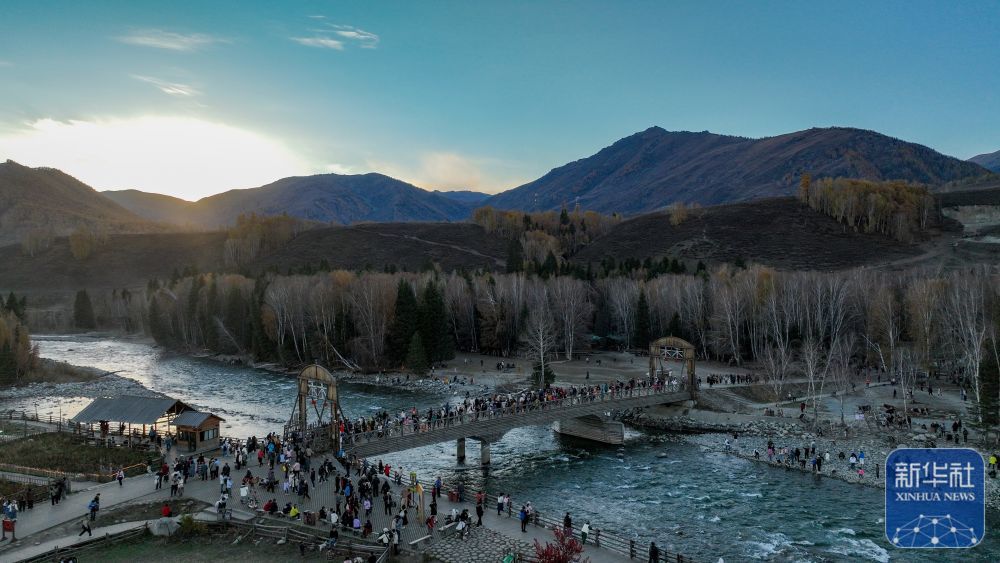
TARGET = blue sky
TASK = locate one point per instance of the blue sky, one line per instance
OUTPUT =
(192, 98)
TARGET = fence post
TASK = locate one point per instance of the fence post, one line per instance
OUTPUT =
(631, 549)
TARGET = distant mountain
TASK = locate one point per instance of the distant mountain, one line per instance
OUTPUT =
(327, 198)
(464, 196)
(45, 200)
(653, 168)
(990, 161)
(155, 207)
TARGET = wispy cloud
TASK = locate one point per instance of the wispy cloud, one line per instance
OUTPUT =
(364, 39)
(169, 40)
(6, 63)
(170, 88)
(321, 42)
(336, 36)
(337, 168)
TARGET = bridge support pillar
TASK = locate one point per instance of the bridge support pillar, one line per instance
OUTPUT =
(460, 450)
(484, 453)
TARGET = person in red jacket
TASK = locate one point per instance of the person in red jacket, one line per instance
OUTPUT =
(166, 512)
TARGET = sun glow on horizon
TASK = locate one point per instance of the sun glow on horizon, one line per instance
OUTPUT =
(180, 156)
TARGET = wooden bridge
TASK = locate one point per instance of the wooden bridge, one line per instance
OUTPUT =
(489, 426)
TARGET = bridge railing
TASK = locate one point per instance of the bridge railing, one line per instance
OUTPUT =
(421, 426)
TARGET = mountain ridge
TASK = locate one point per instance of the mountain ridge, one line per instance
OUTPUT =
(653, 168)
(989, 160)
(46, 202)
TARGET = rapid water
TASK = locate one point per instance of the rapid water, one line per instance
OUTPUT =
(705, 504)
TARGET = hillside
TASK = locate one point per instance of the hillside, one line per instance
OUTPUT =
(132, 260)
(404, 245)
(990, 161)
(124, 261)
(779, 232)
(45, 201)
(154, 207)
(464, 196)
(326, 198)
(653, 168)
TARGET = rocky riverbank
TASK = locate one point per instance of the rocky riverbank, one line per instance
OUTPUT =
(754, 435)
(454, 384)
(106, 385)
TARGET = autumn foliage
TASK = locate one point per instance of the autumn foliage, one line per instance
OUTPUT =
(566, 549)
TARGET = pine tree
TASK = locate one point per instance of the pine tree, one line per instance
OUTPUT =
(83, 311)
(433, 326)
(551, 266)
(640, 336)
(675, 328)
(515, 256)
(416, 357)
(208, 318)
(159, 327)
(404, 324)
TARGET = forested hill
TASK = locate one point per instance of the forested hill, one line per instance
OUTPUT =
(37, 204)
(654, 168)
(326, 198)
(989, 161)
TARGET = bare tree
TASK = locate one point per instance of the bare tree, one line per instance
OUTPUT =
(373, 297)
(729, 311)
(966, 306)
(540, 335)
(571, 301)
(623, 294)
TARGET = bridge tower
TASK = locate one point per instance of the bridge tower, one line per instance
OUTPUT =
(671, 348)
(316, 413)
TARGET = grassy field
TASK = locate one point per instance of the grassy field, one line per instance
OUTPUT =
(59, 451)
(11, 489)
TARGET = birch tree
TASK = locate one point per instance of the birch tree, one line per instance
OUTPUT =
(571, 302)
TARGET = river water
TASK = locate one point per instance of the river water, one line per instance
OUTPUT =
(702, 503)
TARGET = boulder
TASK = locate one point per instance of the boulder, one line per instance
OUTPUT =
(164, 527)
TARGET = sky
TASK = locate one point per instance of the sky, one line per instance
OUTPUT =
(194, 98)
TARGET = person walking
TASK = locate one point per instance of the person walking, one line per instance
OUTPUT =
(120, 476)
(94, 506)
(523, 517)
(85, 527)
(479, 515)
(584, 532)
(654, 553)
(500, 504)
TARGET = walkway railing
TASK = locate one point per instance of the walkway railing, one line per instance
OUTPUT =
(565, 404)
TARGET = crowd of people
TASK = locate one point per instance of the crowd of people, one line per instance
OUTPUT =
(496, 404)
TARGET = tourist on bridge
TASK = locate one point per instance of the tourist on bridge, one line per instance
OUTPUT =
(584, 531)
(85, 527)
(568, 524)
(120, 475)
(654, 553)
(479, 514)
(523, 517)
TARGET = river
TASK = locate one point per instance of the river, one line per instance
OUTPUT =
(702, 503)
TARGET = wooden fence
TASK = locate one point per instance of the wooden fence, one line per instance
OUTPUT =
(83, 547)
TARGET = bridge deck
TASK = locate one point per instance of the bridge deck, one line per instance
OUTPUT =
(496, 423)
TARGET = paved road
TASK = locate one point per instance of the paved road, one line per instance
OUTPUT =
(74, 507)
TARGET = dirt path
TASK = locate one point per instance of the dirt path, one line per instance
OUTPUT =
(498, 261)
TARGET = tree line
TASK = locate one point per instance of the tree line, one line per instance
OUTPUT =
(17, 355)
(896, 208)
(821, 326)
